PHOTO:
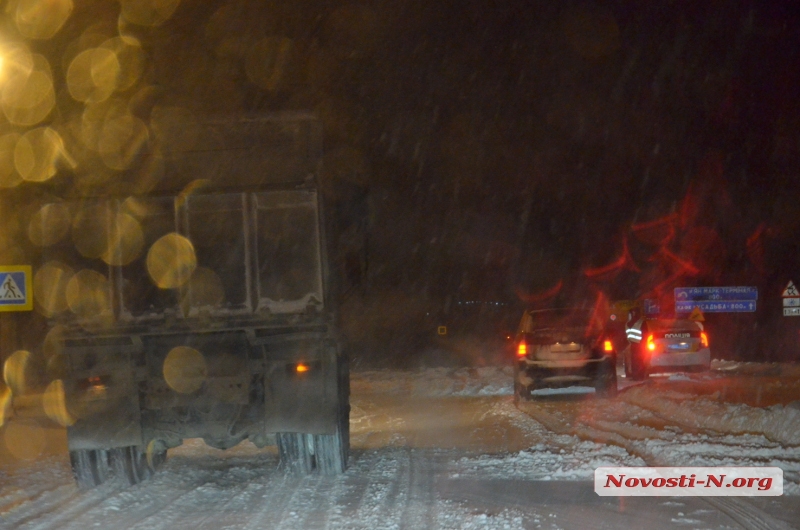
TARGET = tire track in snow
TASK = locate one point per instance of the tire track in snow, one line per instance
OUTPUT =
(374, 488)
(743, 513)
(421, 497)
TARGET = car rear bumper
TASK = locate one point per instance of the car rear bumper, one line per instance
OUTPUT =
(552, 374)
(680, 360)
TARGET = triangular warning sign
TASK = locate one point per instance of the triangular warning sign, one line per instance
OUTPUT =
(790, 291)
(9, 290)
(697, 315)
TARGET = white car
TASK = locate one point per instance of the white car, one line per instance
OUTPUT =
(678, 345)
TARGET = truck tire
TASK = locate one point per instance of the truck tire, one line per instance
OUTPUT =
(638, 369)
(605, 384)
(331, 450)
(90, 467)
(301, 454)
(131, 463)
(295, 455)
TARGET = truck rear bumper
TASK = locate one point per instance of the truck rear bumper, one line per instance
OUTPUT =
(232, 385)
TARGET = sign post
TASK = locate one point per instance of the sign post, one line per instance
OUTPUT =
(791, 300)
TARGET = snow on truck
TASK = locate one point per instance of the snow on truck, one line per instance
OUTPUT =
(224, 326)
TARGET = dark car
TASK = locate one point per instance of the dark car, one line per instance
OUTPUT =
(563, 347)
(668, 345)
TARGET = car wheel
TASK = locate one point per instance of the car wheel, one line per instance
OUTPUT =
(605, 384)
(638, 367)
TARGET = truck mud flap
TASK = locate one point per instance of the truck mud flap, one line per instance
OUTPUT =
(301, 386)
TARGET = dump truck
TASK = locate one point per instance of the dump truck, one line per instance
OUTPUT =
(208, 307)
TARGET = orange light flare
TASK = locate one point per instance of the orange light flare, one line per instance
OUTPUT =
(660, 231)
(522, 349)
(540, 297)
(704, 339)
(755, 247)
(607, 346)
(301, 368)
(624, 261)
(650, 344)
(600, 311)
(666, 256)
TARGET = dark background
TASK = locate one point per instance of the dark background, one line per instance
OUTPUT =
(513, 152)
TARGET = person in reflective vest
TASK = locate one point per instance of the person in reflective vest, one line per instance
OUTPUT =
(635, 326)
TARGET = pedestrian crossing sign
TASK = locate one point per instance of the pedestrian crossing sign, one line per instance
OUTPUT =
(16, 291)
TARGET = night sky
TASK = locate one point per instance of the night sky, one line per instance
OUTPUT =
(523, 152)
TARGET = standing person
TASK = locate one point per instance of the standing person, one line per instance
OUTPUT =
(636, 328)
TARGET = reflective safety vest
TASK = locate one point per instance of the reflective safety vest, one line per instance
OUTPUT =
(634, 332)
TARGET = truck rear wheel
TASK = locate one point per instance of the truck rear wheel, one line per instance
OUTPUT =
(90, 467)
(294, 452)
(327, 454)
(131, 463)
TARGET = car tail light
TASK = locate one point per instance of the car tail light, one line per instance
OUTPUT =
(522, 349)
(650, 344)
(704, 339)
(607, 346)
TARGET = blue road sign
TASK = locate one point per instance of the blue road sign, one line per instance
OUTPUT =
(651, 307)
(684, 294)
(15, 288)
(710, 306)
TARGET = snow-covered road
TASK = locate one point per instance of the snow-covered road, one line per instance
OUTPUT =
(447, 448)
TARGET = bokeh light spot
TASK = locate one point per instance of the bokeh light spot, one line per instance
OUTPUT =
(90, 230)
(88, 294)
(126, 241)
(171, 261)
(9, 177)
(36, 154)
(92, 75)
(268, 61)
(14, 371)
(203, 290)
(41, 19)
(28, 98)
(131, 58)
(49, 225)
(50, 287)
(148, 12)
(121, 140)
(55, 404)
(5, 405)
(185, 369)
(24, 439)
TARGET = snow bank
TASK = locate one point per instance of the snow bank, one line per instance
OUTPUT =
(777, 423)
